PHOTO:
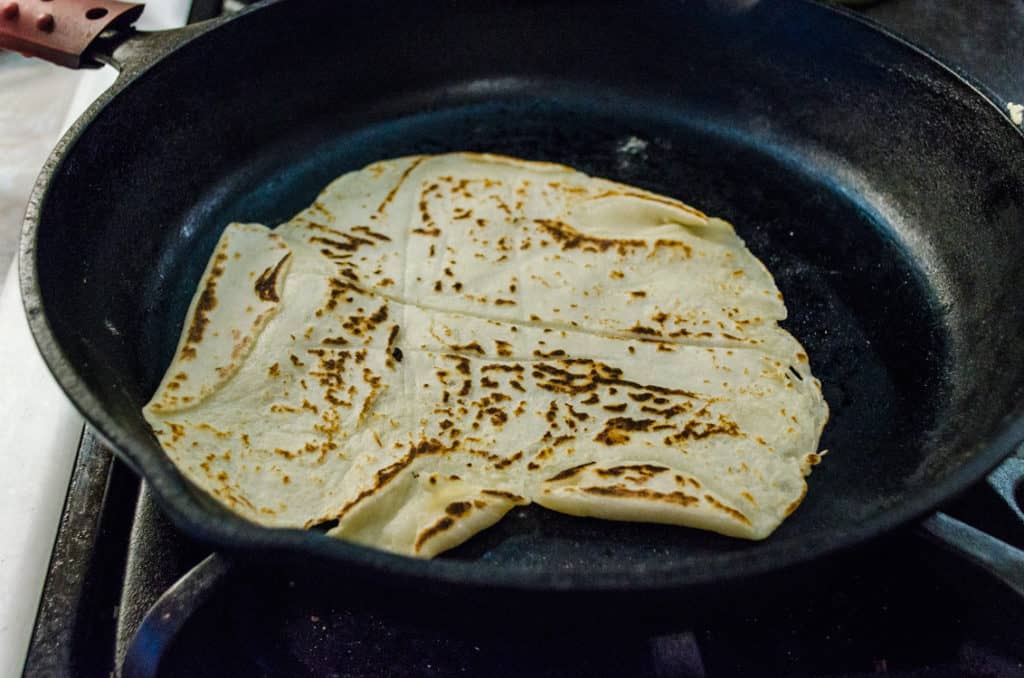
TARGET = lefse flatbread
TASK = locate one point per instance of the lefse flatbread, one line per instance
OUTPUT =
(440, 338)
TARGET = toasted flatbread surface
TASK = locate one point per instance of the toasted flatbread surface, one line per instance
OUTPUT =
(440, 338)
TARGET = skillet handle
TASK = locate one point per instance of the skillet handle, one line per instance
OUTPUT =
(1003, 561)
(61, 31)
(132, 51)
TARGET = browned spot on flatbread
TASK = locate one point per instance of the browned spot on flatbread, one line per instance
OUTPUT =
(504, 495)
(572, 239)
(371, 233)
(568, 473)
(729, 510)
(207, 302)
(696, 430)
(401, 180)
(458, 508)
(471, 347)
(668, 412)
(622, 492)
(432, 531)
(643, 329)
(501, 367)
(349, 243)
(792, 507)
(616, 430)
(508, 461)
(177, 431)
(644, 470)
(266, 284)
(563, 378)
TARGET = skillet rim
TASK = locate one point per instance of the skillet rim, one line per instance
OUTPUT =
(234, 533)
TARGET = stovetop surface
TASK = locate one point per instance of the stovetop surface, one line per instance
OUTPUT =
(898, 606)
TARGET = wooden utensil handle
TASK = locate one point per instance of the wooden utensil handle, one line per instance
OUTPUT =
(61, 31)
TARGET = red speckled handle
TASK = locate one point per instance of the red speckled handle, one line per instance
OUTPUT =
(60, 30)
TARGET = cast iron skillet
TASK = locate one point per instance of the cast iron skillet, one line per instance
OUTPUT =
(884, 193)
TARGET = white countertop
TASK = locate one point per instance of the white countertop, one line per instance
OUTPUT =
(39, 437)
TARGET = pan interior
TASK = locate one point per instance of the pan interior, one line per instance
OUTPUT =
(866, 315)
(885, 195)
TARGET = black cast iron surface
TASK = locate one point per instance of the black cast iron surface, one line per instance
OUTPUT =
(886, 196)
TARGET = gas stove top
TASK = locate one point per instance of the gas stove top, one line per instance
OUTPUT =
(127, 593)
(125, 589)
